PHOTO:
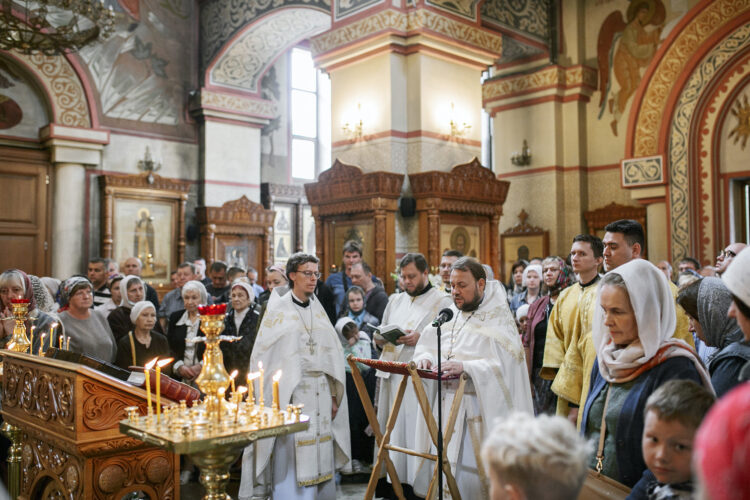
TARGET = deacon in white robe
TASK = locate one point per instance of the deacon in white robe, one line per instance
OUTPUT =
(296, 336)
(481, 340)
(412, 311)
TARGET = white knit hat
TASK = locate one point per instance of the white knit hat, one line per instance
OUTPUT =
(138, 308)
(737, 276)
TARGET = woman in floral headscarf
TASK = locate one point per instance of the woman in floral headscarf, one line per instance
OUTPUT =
(557, 276)
(16, 284)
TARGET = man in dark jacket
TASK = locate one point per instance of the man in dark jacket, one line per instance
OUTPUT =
(375, 297)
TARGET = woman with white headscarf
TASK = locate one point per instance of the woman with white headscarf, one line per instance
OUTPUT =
(633, 325)
(240, 322)
(532, 283)
(706, 303)
(185, 325)
(132, 291)
(144, 343)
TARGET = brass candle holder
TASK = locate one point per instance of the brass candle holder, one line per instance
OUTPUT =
(19, 342)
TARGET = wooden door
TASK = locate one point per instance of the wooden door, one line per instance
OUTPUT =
(24, 210)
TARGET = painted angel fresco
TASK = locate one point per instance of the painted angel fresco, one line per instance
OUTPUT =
(625, 47)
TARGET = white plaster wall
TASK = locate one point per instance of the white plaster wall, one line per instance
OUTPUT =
(232, 156)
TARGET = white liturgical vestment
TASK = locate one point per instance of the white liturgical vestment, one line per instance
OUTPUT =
(302, 343)
(486, 341)
(410, 313)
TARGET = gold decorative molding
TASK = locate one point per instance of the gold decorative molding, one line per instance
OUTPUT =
(206, 100)
(580, 77)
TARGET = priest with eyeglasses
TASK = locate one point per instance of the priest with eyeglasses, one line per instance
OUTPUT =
(296, 336)
(481, 340)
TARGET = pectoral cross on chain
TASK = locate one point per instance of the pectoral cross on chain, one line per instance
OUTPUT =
(311, 344)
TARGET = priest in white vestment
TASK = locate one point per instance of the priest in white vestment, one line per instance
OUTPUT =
(481, 340)
(412, 311)
(296, 336)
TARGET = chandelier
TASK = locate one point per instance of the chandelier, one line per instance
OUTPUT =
(53, 26)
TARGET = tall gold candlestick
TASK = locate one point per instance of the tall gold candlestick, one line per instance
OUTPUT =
(222, 390)
(250, 384)
(51, 335)
(41, 343)
(159, 365)
(147, 371)
(262, 402)
(276, 378)
(233, 376)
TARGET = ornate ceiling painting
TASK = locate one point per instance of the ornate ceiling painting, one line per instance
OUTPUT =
(463, 8)
(345, 8)
(243, 62)
(526, 17)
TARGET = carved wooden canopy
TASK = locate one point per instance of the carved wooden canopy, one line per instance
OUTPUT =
(240, 216)
(144, 181)
(468, 188)
(597, 219)
(523, 227)
(345, 189)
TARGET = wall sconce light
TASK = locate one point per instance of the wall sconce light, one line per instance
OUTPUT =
(456, 129)
(354, 131)
(523, 158)
(147, 164)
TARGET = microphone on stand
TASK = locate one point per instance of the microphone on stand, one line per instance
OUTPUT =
(443, 317)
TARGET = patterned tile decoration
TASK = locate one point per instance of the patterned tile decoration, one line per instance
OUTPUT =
(220, 20)
(651, 107)
(680, 139)
(242, 65)
(640, 172)
(233, 103)
(529, 17)
(62, 85)
(345, 8)
(463, 8)
(550, 76)
(417, 20)
(514, 50)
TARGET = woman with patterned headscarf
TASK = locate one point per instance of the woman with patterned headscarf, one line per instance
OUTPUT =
(132, 291)
(15, 284)
(557, 276)
(88, 330)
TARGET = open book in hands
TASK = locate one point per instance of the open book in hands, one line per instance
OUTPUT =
(391, 333)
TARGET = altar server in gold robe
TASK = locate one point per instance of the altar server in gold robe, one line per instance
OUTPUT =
(411, 310)
(481, 340)
(296, 336)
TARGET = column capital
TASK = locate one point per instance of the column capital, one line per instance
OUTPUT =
(74, 145)
(231, 107)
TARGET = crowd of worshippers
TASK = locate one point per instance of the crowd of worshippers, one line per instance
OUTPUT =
(634, 372)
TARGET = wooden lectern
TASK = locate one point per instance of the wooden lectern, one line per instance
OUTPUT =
(71, 446)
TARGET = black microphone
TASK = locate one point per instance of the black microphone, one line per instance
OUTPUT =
(445, 316)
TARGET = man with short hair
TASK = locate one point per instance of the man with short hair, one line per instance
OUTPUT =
(688, 264)
(172, 301)
(199, 265)
(727, 255)
(252, 275)
(624, 240)
(446, 261)
(97, 275)
(375, 297)
(665, 267)
(481, 340)
(218, 290)
(340, 282)
(412, 310)
(113, 268)
(295, 335)
(133, 267)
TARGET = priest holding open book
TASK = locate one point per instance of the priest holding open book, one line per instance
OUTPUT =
(481, 340)
(411, 312)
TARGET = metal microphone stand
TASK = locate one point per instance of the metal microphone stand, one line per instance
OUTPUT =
(440, 416)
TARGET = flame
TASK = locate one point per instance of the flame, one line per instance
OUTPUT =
(233, 375)
(260, 365)
(241, 389)
(277, 376)
(151, 363)
(252, 376)
(164, 362)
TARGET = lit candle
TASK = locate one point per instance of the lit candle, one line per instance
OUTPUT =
(260, 382)
(240, 391)
(31, 345)
(41, 344)
(250, 384)
(276, 378)
(159, 365)
(51, 334)
(60, 343)
(67, 343)
(233, 376)
(222, 390)
(147, 371)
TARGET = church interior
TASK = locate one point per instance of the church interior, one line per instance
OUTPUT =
(244, 131)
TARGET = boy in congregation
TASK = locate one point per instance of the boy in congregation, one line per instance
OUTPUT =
(672, 416)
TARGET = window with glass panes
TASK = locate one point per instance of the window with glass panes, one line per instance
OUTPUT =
(304, 114)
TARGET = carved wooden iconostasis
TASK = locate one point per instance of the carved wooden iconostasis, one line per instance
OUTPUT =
(238, 233)
(144, 217)
(597, 220)
(459, 210)
(350, 205)
(71, 445)
(522, 242)
(294, 227)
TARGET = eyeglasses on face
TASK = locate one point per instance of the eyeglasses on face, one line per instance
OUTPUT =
(727, 253)
(309, 274)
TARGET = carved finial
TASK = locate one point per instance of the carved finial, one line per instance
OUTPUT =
(523, 216)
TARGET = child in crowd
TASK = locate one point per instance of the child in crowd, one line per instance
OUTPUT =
(522, 317)
(357, 343)
(672, 416)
